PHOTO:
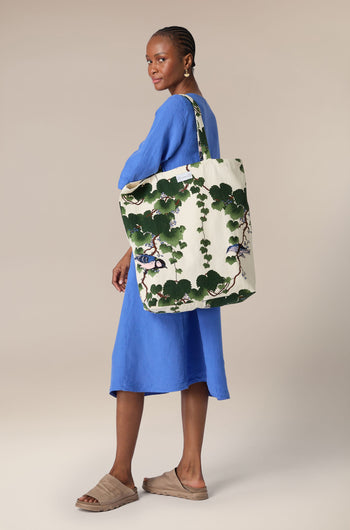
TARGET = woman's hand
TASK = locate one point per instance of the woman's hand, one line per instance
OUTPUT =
(120, 271)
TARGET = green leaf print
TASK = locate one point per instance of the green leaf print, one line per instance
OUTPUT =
(210, 280)
(233, 298)
(217, 193)
(241, 198)
(218, 205)
(205, 242)
(152, 272)
(172, 236)
(177, 290)
(165, 248)
(169, 187)
(139, 238)
(235, 212)
(185, 194)
(232, 225)
(165, 301)
(156, 288)
(165, 206)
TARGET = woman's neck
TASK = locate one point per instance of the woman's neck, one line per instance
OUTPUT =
(187, 86)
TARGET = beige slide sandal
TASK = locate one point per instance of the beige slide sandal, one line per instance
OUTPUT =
(169, 484)
(110, 493)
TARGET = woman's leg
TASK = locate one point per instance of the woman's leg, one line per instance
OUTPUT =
(194, 404)
(129, 414)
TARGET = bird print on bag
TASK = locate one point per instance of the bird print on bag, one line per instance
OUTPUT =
(150, 262)
(238, 249)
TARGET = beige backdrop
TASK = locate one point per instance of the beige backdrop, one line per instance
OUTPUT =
(75, 102)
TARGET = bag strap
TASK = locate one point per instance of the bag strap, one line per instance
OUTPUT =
(203, 146)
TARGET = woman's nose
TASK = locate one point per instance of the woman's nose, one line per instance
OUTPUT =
(152, 69)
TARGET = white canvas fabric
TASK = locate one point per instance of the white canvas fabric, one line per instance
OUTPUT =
(191, 235)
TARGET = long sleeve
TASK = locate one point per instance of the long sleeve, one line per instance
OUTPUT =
(164, 139)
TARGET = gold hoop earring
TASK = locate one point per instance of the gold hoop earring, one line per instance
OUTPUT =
(187, 74)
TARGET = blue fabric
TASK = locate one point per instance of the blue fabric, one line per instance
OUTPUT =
(159, 353)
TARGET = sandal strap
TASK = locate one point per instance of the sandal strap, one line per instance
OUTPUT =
(108, 488)
(170, 480)
(188, 488)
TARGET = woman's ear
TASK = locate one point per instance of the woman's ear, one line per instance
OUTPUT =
(188, 60)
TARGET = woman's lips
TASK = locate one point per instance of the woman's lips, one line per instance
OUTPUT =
(156, 80)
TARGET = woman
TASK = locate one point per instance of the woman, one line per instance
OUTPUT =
(159, 353)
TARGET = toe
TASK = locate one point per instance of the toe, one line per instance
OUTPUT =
(87, 498)
(92, 500)
(82, 498)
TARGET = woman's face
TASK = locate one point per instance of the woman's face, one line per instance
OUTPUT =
(165, 66)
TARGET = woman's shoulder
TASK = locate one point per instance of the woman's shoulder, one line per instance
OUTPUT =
(179, 107)
(174, 104)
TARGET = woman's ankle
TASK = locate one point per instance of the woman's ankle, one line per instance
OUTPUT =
(123, 474)
(190, 469)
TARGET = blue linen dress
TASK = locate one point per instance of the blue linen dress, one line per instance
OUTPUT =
(165, 352)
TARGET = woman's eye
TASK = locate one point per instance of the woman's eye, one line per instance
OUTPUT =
(148, 61)
(161, 59)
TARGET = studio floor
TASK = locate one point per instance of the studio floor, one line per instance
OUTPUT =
(262, 472)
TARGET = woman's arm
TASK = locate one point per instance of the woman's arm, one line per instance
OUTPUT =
(163, 140)
(161, 143)
(120, 271)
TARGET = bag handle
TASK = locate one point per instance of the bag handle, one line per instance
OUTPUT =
(203, 146)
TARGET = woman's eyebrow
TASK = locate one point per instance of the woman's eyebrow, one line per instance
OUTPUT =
(155, 55)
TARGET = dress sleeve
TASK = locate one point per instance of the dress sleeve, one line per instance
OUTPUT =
(162, 141)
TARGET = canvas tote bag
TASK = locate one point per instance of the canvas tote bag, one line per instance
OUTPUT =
(190, 233)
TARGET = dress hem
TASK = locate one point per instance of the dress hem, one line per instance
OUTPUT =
(131, 388)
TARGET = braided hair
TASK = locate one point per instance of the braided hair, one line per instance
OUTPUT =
(182, 39)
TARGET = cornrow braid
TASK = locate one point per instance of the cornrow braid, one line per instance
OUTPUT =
(182, 39)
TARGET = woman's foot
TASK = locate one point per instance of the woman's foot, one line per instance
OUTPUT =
(126, 480)
(188, 478)
(170, 484)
